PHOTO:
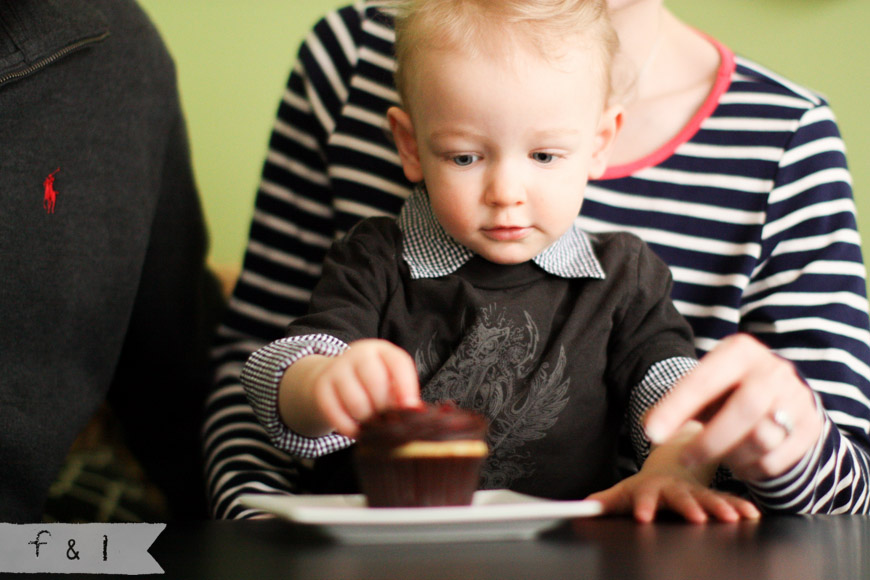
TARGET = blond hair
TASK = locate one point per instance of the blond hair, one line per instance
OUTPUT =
(474, 26)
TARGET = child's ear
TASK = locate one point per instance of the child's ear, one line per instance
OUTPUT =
(406, 142)
(605, 136)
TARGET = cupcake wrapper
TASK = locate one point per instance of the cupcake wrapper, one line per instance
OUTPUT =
(419, 482)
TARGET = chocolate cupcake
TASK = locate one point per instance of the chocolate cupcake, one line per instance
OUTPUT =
(423, 457)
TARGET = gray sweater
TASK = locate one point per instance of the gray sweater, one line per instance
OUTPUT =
(104, 292)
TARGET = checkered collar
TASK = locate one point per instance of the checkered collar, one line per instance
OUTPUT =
(431, 253)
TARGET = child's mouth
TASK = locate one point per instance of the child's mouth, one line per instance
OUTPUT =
(506, 233)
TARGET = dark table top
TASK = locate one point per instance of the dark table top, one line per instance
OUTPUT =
(777, 547)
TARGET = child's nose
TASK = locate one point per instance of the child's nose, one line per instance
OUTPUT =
(504, 188)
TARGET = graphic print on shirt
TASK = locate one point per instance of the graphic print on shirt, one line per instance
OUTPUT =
(495, 371)
(49, 197)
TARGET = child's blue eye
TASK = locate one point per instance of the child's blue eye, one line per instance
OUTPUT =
(464, 160)
(542, 157)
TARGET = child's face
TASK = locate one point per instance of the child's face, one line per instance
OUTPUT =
(505, 146)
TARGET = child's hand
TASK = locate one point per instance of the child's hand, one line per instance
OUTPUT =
(643, 494)
(371, 376)
(665, 483)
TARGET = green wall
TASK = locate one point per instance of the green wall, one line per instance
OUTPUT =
(233, 59)
(234, 56)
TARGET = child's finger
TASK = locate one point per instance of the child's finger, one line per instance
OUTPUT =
(646, 504)
(719, 507)
(612, 500)
(374, 377)
(351, 395)
(726, 507)
(685, 503)
(335, 412)
(747, 509)
(404, 383)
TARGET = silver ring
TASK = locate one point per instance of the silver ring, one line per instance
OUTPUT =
(782, 418)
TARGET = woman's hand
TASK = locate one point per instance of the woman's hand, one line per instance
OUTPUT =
(759, 417)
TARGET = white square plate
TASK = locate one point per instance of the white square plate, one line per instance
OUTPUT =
(493, 515)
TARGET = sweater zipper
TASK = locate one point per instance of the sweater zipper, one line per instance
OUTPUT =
(44, 62)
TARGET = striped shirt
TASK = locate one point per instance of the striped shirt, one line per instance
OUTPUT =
(751, 207)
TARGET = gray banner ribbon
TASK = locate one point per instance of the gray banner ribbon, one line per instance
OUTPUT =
(79, 548)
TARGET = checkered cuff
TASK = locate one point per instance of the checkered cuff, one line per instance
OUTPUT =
(261, 377)
(659, 379)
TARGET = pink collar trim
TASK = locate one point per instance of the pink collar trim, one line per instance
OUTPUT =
(723, 81)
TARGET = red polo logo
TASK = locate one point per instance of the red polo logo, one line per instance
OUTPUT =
(50, 196)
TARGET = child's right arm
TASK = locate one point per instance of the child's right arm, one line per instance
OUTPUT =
(319, 395)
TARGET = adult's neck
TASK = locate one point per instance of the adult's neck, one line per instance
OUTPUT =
(665, 71)
(639, 26)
